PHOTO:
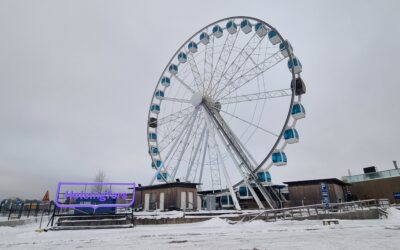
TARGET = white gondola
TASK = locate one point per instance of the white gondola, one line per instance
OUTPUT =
(264, 177)
(165, 81)
(246, 26)
(273, 37)
(156, 164)
(217, 31)
(295, 64)
(204, 38)
(291, 136)
(231, 27)
(154, 150)
(244, 193)
(160, 176)
(182, 57)
(192, 46)
(298, 111)
(279, 158)
(261, 29)
(152, 137)
(155, 108)
(226, 201)
(284, 48)
(173, 69)
(159, 94)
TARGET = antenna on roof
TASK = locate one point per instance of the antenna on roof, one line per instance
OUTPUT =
(395, 165)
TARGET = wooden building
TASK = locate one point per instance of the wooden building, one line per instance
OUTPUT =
(375, 185)
(308, 192)
(168, 196)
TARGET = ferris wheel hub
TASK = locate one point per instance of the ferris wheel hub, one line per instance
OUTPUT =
(196, 99)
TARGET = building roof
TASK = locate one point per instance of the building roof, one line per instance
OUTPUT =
(316, 181)
(168, 185)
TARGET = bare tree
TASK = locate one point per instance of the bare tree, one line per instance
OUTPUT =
(100, 177)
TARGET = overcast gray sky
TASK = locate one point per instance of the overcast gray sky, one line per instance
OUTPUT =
(76, 80)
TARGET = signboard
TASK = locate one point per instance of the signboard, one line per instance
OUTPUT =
(396, 195)
(95, 195)
(325, 195)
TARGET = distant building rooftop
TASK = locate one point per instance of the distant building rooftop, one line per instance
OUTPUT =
(372, 176)
(168, 185)
(316, 181)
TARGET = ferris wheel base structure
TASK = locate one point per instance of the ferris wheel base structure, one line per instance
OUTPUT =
(220, 100)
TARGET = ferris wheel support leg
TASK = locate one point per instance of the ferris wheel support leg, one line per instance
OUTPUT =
(228, 180)
(245, 178)
(230, 138)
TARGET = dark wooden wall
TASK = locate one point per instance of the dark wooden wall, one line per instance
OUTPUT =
(376, 189)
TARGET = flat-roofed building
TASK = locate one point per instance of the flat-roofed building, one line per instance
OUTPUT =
(308, 192)
(375, 185)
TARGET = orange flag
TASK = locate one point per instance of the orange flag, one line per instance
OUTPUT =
(46, 196)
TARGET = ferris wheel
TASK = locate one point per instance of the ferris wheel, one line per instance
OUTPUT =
(225, 108)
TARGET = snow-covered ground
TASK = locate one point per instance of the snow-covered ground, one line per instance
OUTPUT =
(217, 234)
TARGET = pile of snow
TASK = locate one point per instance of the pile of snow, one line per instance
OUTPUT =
(393, 214)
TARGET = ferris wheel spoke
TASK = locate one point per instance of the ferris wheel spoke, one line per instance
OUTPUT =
(185, 143)
(203, 158)
(254, 72)
(174, 99)
(194, 155)
(174, 116)
(222, 61)
(257, 96)
(195, 71)
(208, 64)
(250, 123)
(177, 131)
(184, 83)
(238, 62)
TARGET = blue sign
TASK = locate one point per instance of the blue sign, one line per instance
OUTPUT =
(325, 195)
(396, 195)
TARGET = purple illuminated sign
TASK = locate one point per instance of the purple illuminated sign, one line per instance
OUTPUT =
(71, 195)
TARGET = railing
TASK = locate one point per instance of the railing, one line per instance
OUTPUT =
(312, 210)
(18, 210)
(372, 176)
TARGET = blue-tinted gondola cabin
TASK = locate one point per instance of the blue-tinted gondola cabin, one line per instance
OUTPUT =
(155, 108)
(261, 30)
(246, 26)
(226, 201)
(284, 47)
(295, 64)
(279, 158)
(273, 37)
(244, 193)
(156, 164)
(173, 69)
(159, 94)
(264, 177)
(165, 81)
(152, 137)
(154, 150)
(298, 111)
(217, 31)
(231, 27)
(182, 57)
(204, 38)
(290, 135)
(160, 176)
(192, 47)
